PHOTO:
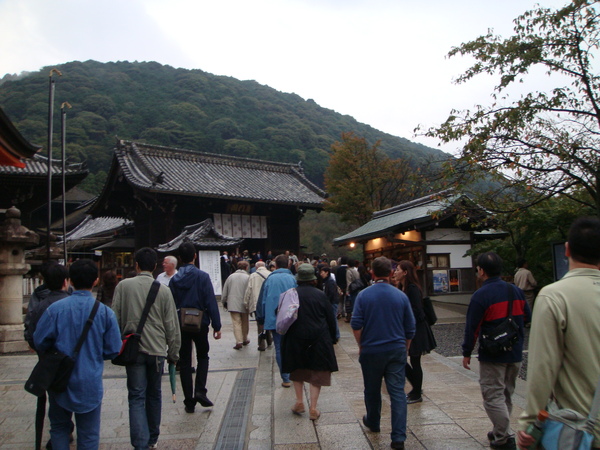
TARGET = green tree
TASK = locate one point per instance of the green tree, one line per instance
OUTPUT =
(545, 142)
(361, 179)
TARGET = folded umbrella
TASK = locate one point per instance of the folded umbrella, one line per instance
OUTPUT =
(173, 379)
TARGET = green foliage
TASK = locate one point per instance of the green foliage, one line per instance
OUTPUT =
(187, 109)
(362, 179)
(531, 233)
(543, 143)
(317, 231)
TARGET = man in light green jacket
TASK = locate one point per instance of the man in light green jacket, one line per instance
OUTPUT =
(564, 360)
(161, 338)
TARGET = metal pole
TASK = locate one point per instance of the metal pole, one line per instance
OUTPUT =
(64, 158)
(50, 126)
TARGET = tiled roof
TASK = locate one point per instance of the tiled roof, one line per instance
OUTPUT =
(184, 172)
(91, 228)
(38, 166)
(400, 218)
(202, 235)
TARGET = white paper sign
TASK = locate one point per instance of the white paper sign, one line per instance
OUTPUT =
(208, 261)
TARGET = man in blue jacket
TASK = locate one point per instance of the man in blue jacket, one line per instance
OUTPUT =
(497, 373)
(383, 325)
(192, 288)
(268, 300)
(60, 327)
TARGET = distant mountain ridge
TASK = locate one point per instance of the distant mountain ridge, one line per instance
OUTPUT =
(191, 109)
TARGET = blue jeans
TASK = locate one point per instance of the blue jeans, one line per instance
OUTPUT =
(88, 427)
(390, 366)
(277, 341)
(145, 401)
(337, 328)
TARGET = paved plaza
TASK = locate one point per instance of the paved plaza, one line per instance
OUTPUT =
(252, 410)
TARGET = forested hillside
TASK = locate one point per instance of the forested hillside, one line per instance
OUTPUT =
(183, 108)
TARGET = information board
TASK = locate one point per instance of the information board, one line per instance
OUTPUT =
(208, 261)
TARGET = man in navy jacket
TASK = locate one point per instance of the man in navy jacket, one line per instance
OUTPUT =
(192, 288)
(497, 373)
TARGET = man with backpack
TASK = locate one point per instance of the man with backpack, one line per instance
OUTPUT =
(489, 307)
(268, 300)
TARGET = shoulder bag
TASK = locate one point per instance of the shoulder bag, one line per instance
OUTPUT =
(191, 319)
(54, 368)
(287, 312)
(566, 429)
(130, 347)
(430, 315)
(505, 335)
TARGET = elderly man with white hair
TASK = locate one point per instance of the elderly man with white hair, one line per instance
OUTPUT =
(170, 269)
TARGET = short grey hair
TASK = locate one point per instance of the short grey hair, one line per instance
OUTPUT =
(172, 259)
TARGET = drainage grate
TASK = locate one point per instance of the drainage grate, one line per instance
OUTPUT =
(233, 431)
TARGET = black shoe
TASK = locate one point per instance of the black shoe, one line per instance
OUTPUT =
(490, 436)
(410, 399)
(190, 409)
(204, 401)
(399, 444)
(510, 444)
(373, 429)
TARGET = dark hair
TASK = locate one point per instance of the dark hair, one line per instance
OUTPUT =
(584, 240)
(282, 262)
(411, 274)
(83, 273)
(146, 259)
(521, 262)
(187, 251)
(56, 274)
(243, 265)
(491, 263)
(343, 260)
(325, 268)
(45, 266)
(109, 279)
(381, 266)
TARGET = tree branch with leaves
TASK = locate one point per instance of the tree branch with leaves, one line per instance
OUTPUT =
(544, 143)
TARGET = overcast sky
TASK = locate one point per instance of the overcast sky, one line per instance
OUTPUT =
(381, 61)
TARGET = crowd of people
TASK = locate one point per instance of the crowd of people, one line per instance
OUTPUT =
(382, 303)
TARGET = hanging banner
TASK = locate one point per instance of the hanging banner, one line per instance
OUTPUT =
(209, 262)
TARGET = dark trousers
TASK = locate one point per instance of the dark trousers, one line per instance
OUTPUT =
(414, 374)
(189, 388)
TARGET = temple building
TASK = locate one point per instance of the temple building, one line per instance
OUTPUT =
(164, 190)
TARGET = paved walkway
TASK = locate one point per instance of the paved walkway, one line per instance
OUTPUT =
(252, 410)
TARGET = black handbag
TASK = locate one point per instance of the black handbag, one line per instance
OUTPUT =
(430, 315)
(130, 347)
(54, 368)
(505, 335)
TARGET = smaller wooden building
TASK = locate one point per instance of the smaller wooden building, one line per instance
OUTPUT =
(433, 232)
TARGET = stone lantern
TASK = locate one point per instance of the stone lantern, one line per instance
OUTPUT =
(13, 239)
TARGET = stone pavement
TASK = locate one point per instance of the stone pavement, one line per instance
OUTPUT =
(252, 410)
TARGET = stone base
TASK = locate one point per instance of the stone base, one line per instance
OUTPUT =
(11, 339)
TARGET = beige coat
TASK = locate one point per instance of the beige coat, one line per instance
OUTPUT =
(256, 281)
(233, 291)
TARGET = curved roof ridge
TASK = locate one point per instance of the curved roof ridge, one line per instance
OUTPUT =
(416, 202)
(170, 152)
